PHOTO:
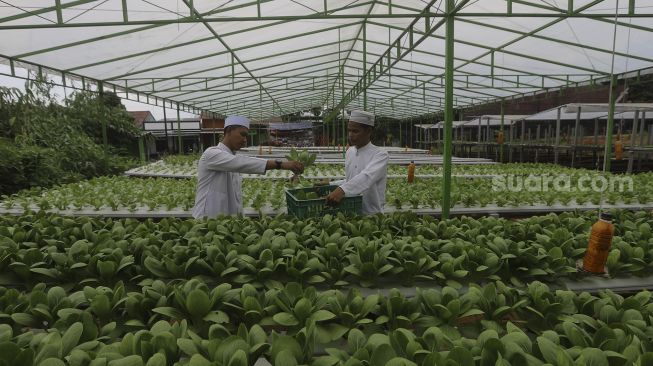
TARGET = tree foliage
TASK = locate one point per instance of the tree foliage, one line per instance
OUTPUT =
(43, 142)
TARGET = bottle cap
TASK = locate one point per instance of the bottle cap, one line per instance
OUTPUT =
(606, 216)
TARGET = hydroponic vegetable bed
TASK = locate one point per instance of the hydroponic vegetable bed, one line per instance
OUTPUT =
(157, 195)
(237, 291)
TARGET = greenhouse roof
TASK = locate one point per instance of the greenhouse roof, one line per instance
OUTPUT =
(631, 115)
(605, 107)
(453, 124)
(265, 58)
(495, 120)
(552, 115)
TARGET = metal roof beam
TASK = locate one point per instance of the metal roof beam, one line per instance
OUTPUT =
(58, 7)
(188, 20)
(118, 89)
(118, 77)
(342, 66)
(202, 80)
(525, 35)
(556, 40)
(391, 61)
(122, 33)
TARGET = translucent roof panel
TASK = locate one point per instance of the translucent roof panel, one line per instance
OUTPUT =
(275, 56)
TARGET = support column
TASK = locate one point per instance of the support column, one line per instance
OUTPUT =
(141, 149)
(408, 123)
(548, 134)
(365, 65)
(523, 134)
(537, 138)
(179, 140)
(501, 131)
(557, 140)
(448, 108)
(478, 138)
(633, 134)
(596, 132)
(165, 127)
(488, 148)
(342, 97)
(642, 126)
(607, 154)
(575, 144)
(105, 138)
(510, 138)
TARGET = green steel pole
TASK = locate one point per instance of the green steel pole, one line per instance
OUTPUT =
(165, 127)
(105, 138)
(608, 133)
(141, 149)
(448, 108)
(365, 65)
(181, 148)
(344, 121)
(502, 120)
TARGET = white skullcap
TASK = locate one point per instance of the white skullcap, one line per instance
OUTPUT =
(236, 121)
(365, 118)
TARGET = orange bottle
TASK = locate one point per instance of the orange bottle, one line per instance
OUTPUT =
(500, 138)
(618, 149)
(411, 172)
(260, 149)
(599, 244)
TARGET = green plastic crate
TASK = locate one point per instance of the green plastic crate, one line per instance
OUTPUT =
(317, 207)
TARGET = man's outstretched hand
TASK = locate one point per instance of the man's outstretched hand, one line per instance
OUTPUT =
(334, 198)
(294, 166)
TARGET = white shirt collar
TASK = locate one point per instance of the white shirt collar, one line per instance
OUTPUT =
(224, 147)
(362, 149)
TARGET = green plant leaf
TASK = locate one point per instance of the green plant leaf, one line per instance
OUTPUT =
(52, 362)
(400, 361)
(199, 360)
(285, 319)
(285, 358)
(461, 355)
(322, 315)
(381, 355)
(594, 357)
(198, 303)
(158, 359)
(133, 360)
(169, 312)
(23, 319)
(71, 337)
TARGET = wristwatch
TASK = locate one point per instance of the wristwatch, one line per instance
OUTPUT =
(278, 162)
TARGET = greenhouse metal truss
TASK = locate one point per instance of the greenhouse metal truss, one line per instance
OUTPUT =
(268, 58)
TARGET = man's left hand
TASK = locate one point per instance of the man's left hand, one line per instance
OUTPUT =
(335, 197)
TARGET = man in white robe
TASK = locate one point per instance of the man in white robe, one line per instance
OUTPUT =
(366, 166)
(219, 179)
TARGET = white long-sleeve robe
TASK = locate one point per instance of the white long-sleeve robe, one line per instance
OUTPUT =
(219, 183)
(366, 173)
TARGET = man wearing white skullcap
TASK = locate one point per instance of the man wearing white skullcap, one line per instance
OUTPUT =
(366, 166)
(218, 171)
